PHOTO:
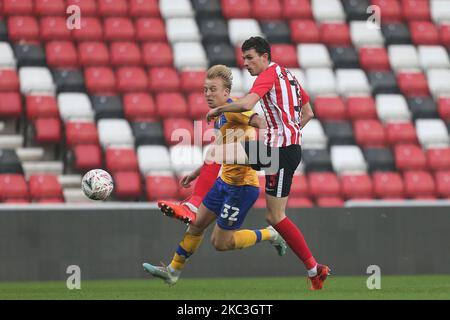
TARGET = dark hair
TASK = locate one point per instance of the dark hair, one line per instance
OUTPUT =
(260, 45)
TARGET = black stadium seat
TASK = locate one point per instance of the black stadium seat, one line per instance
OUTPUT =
(69, 80)
(29, 55)
(213, 30)
(396, 33)
(221, 53)
(207, 8)
(10, 162)
(344, 57)
(148, 133)
(276, 31)
(383, 82)
(422, 107)
(339, 132)
(3, 31)
(356, 10)
(379, 159)
(107, 107)
(316, 160)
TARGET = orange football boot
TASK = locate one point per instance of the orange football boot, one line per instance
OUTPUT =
(322, 273)
(177, 211)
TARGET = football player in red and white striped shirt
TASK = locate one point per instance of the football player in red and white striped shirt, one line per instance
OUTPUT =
(286, 109)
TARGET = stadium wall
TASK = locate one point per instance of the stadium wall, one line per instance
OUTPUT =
(112, 242)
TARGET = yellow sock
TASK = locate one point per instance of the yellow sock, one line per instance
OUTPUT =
(248, 238)
(185, 249)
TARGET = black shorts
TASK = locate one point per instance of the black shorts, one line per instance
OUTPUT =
(279, 164)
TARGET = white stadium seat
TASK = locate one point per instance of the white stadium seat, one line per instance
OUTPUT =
(240, 30)
(440, 11)
(30, 154)
(7, 59)
(313, 55)
(363, 35)
(189, 55)
(320, 81)
(36, 79)
(248, 80)
(153, 158)
(115, 133)
(185, 158)
(12, 141)
(328, 11)
(433, 57)
(313, 135)
(174, 9)
(182, 29)
(347, 159)
(392, 107)
(75, 106)
(238, 80)
(352, 81)
(403, 56)
(48, 167)
(301, 77)
(439, 81)
(432, 133)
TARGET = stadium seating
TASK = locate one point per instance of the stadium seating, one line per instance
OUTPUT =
(121, 91)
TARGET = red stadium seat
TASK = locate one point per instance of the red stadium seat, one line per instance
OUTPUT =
(443, 183)
(17, 201)
(87, 7)
(330, 202)
(294, 202)
(131, 79)
(150, 29)
(388, 185)
(361, 107)
(415, 10)
(409, 157)
(358, 186)
(100, 80)
(45, 186)
(438, 159)
(197, 105)
(87, 156)
(329, 108)
(285, 55)
(297, 9)
(50, 7)
(9, 80)
(121, 159)
(127, 185)
(163, 79)
(239, 60)
(299, 187)
(424, 33)
(50, 200)
(335, 34)
(304, 31)
(125, 54)
(54, 29)
(390, 10)
(157, 54)
(171, 104)
(236, 9)
(444, 108)
(401, 132)
(61, 54)
(17, 7)
(374, 59)
(39, 106)
(90, 30)
(143, 8)
(192, 80)
(161, 187)
(413, 84)
(10, 105)
(139, 106)
(266, 9)
(324, 184)
(109, 8)
(369, 133)
(13, 186)
(78, 132)
(23, 28)
(419, 184)
(118, 29)
(48, 130)
(185, 130)
(93, 54)
(444, 35)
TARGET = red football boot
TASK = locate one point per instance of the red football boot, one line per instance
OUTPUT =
(178, 211)
(318, 280)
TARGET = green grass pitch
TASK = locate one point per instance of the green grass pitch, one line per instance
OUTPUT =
(286, 288)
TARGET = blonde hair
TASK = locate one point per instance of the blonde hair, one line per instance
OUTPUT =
(223, 72)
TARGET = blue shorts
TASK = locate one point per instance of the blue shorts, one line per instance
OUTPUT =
(230, 203)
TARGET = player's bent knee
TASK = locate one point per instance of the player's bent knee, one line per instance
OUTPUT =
(221, 245)
(274, 218)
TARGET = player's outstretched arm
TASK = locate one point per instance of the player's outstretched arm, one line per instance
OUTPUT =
(307, 114)
(241, 105)
(257, 122)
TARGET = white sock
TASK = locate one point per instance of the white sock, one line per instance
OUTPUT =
(173, 271)
(312, 272)
(273, 233)
(191, 207)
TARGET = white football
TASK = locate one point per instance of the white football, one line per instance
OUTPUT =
(97, 184)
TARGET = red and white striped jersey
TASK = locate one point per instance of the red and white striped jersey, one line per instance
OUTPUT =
(282, 98)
